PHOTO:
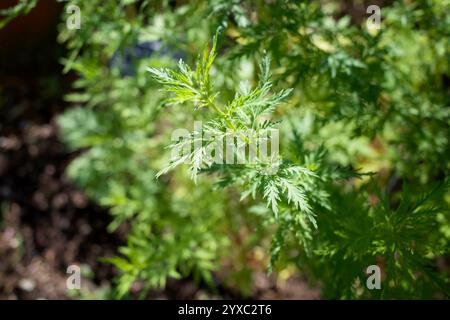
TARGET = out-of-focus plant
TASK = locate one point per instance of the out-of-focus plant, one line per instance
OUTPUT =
(360, 99)
(10, 13)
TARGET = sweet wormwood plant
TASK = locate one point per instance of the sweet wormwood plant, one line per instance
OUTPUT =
(277, 179)
(371, 99)
(348, 238)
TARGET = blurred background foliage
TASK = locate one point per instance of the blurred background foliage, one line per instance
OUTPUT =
(363, 100)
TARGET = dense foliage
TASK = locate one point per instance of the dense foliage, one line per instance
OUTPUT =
(364, 127)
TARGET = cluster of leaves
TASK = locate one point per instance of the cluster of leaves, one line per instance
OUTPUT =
(275, 178)
(10, 13)
(342, 97)
(115, 121)
(372, 225)
(351, 104)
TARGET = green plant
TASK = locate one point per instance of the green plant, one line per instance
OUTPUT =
(352, 233)
(364, 127)
(10, 13)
